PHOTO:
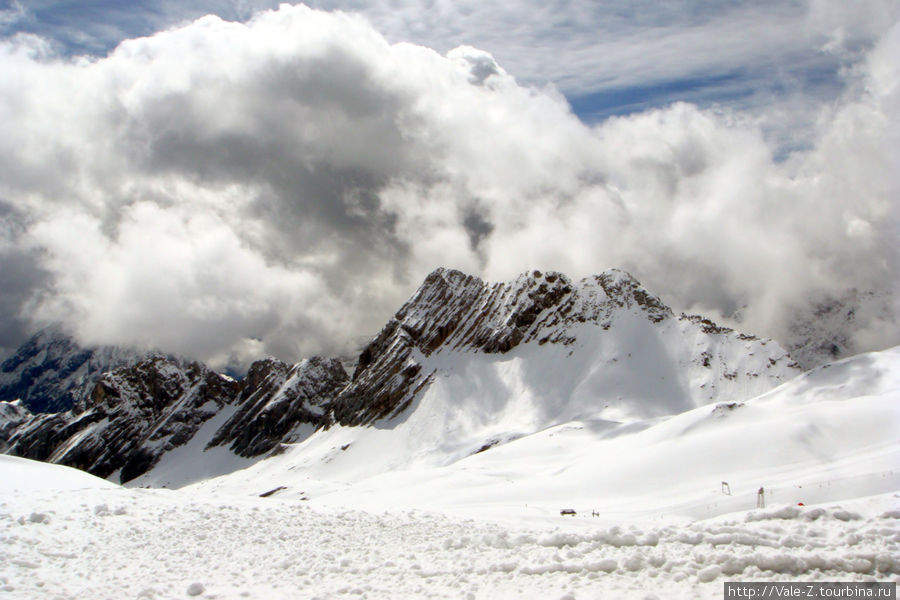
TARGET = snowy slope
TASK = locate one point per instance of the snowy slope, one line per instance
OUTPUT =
(464, 365)
(424, 505)
(20, 475)
(827, 435)
(276, 403)
(602, 346)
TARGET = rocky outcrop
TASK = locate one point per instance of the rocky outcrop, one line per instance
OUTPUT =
(276, 399)
(12, 415)
(134, 415)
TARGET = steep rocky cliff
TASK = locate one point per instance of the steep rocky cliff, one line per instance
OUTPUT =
(137, 414)
(276, 399)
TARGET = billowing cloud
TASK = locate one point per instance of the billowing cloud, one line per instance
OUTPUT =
(225, 190)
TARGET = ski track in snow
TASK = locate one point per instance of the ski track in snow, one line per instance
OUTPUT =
(153, 544)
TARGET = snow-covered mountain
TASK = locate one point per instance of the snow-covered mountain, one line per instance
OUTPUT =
(477, 414)
(466, 365)
(463, 366)
(51, 372)
(826, 332)
(671, 503)
(612, 345)
(825, 436)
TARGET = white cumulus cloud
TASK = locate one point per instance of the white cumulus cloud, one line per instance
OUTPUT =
(279, 186)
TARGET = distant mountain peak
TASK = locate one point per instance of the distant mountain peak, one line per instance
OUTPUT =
(51, 371)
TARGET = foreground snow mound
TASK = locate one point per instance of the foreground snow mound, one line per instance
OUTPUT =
(164, 544)
(22, 475)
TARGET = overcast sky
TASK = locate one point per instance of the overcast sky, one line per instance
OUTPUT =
(278, 180)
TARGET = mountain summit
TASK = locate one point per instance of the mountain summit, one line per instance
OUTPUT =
(465, 365)
(606, 335)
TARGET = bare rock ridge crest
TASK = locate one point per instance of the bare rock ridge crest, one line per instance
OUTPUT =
(453, 311)
(145, 406)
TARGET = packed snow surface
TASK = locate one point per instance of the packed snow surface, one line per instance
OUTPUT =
(19, 475)
(107, 542)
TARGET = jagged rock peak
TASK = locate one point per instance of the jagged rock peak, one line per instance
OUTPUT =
(138, 413)
(495, 317)
(12, 414)
(14, 411)
(155, 381)
(134, 415)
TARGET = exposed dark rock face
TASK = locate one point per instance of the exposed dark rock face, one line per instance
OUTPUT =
(51, 371)
(136, 414)
(454, 312)
(277, 398)
(12, 416)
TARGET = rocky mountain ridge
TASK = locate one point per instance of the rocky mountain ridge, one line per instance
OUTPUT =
(137, 414)
(621, 352)
(455, 312)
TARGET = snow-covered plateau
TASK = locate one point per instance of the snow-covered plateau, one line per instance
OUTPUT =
(537, 439)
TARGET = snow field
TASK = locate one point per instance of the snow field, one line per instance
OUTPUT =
(826, 437)
(102, 543)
